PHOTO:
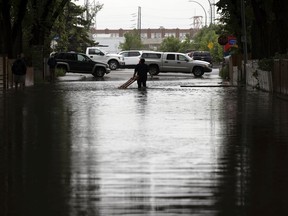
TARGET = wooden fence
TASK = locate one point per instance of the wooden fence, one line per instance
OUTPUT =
(6, 77)
(3, 74)
(280, 76)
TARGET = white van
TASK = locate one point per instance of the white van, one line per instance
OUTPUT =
(131, 57)
(113, 60)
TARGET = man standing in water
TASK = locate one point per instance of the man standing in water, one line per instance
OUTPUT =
(141, 70)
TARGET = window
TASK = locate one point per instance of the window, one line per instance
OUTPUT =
(70, 56)
(151, 55)
(181, 58)
(156, 35)
(94, 52)
(81, 57)
(144, 35)
(170, 57)
(125, 54)
(134, 54)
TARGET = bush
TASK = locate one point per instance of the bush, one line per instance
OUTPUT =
(224, 72)
(59, 72)
(266, 64)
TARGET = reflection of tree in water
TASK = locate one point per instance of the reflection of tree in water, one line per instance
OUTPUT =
(253, 176)
(37, 167)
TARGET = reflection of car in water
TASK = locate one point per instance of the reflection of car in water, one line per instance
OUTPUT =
(80, 63)
(175, 63)
(131, 58)
(201, 55)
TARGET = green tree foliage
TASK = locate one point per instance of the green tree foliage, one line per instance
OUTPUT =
(132, 41)
(205, 40)
(40, 19)
(28, 23)
(186, 45)
(70, 30)
(170, 44)
(265, 21)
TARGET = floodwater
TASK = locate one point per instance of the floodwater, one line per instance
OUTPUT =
(90, 149)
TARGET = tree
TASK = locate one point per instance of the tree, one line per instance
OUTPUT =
(71, 30)
(91, 13)
(265, 21)
(170, 44)
(26, 19)
(44, 14)
(132, 41)
(11, 20)
(207, 40)
(26, 24)
(186, 45)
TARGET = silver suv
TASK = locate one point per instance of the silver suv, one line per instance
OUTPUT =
(175, 62)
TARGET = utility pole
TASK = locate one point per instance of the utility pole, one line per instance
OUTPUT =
(244, 38)
(86, 5)
(139, 21)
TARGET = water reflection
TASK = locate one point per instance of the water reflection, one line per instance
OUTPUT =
(86, 149)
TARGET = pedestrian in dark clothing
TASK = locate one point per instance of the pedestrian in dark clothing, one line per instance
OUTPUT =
(19, 70)
(141, 70)
(52, 64)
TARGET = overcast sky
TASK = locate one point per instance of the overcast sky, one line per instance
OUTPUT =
(117, 14)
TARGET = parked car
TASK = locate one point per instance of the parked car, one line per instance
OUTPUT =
(131, 57)
(80, 63)
(201, 55)
(174, 62)
(113, 60)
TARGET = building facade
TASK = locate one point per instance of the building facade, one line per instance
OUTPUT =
(148, 33)
(151, 38)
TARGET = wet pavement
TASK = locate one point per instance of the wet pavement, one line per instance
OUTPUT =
(86, 148)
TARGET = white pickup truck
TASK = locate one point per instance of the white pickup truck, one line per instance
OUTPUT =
(113, 60)
(174, 62)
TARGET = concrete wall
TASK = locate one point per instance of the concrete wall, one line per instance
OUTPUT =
(255, 77)
(258, 78)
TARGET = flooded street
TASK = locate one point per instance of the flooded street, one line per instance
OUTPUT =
(87, 148)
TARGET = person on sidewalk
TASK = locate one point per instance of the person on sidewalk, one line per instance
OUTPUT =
(19, 70)
(52, 65)
(141, 71)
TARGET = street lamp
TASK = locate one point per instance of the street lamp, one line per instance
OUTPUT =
(210, 12)
(203, 9)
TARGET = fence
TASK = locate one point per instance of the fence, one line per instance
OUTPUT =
(3, 74)
(275, 81)
(280, 76)
(6, 77)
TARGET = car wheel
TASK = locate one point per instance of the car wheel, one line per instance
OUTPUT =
(113, 64)
(198, 71)
(99, 72)
(153, 70)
